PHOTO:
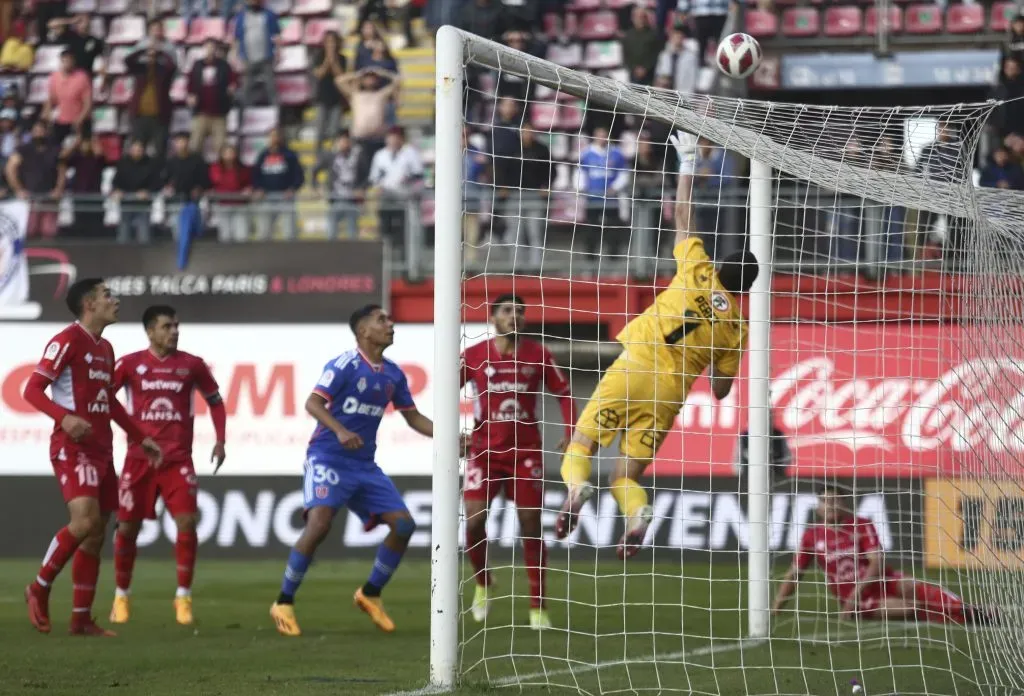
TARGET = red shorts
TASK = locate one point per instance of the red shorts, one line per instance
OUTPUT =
(871, 595)
(141, 484)
(85, 475)
(520, 475)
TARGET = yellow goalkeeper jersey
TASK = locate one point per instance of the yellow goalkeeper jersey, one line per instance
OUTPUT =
(693, 323)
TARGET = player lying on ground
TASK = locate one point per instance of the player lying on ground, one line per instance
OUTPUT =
(78, 367)
(507, 373)
(693, 325)
(847, 549)
(348, 403)
(159, 383)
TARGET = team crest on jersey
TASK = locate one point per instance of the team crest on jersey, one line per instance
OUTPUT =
(719, 301)
(322, 491)
(141, 369)
(361, 385)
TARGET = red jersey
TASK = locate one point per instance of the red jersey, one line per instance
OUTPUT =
(160, 395)
(841, 551)
(507, 387)
(80, 367)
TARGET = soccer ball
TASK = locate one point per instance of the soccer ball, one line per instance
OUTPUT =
(738, 55)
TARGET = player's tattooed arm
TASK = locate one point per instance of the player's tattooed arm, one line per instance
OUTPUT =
(418, 422)
(316, 406)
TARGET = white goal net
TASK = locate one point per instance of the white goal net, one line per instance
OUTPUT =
(847, 516)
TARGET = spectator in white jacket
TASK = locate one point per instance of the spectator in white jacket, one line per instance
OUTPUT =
(394, 172)
(680, 60)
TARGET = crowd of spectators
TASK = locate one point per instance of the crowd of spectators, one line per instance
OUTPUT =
(51, 155)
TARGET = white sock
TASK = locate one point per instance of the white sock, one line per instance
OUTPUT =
(183, 592)
(118, 592)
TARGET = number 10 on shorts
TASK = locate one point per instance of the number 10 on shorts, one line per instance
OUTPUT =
(87, 475)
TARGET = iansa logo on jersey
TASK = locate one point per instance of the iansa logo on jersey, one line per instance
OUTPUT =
(161, 411)
(101, 404)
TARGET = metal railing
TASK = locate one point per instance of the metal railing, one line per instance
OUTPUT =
(816, 230)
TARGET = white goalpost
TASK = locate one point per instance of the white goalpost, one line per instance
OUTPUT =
(884, 356)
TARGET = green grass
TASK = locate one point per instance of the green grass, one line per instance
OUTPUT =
(692, 627)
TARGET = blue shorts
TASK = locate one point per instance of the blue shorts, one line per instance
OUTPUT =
(360, 486)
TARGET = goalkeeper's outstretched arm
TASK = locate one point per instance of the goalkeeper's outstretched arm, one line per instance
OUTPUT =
(684, 188)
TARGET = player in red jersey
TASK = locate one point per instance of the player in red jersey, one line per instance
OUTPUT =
(847, 549)
(160, 383)
(507, 373)
(78, 367)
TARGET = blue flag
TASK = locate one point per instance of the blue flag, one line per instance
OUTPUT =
(190, 226)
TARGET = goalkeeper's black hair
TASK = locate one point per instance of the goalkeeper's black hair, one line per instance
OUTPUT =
(154, 312)
(357, 316)
(506, 297)
(738, 271)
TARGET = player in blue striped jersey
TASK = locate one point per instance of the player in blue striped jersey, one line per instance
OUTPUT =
(348, 403)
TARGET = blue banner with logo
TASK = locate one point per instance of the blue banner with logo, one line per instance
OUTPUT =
(971, 68)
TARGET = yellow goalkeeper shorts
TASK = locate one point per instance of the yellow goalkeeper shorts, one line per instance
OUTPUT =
(633, 399)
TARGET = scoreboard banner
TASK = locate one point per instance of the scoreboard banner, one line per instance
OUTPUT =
(255, 517)
(974, 524)
(262, 282)
(842, 395)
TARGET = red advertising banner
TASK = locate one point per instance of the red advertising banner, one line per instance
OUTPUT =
(895, 400)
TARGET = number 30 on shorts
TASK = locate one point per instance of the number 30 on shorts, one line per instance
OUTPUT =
(322, 474)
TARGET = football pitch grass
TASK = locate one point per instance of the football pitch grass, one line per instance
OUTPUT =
(640, 617)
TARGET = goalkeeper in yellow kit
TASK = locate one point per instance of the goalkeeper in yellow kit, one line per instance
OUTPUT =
(694, 324)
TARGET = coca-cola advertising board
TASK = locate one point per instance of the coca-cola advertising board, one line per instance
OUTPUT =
(874, 399)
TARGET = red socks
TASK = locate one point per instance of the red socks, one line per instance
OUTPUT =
(937, 604)
(476, 549)
(85, 570)
(124, 561)
(535, 554)
(61, 548)
(185, 555)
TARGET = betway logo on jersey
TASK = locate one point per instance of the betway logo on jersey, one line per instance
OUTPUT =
(506, 386)
(161, 411)
(162, 385)
(352, 406)
(101, 375)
